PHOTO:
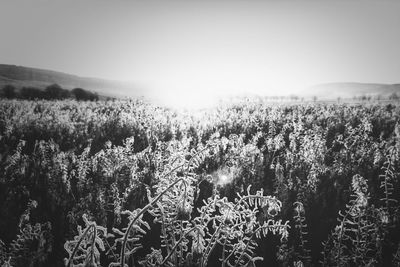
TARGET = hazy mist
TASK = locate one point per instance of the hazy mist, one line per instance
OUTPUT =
(206, 48)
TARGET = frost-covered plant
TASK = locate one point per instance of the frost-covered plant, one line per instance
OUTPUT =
(353, 241)
(303, 253)
(32, 244)
(238, 227)
(85, 249)
(295, 251)
(295, 152)
(387, 180)
(231, 225)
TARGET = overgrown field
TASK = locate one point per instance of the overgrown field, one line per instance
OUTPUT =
(125, 183)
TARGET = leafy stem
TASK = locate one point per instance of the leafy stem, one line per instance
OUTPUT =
(140, 213)
(177, 243)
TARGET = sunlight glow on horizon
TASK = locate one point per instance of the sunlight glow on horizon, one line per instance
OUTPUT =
(192, 93)
(202, 86)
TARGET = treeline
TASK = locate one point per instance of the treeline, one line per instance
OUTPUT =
(51, 92)
(393, 96)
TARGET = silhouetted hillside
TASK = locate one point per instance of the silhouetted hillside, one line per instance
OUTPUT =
(20, 76)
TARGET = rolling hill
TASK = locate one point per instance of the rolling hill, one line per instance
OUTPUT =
(20, 76)
(350, 90)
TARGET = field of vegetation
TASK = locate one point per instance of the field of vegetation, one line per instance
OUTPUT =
(126, 183)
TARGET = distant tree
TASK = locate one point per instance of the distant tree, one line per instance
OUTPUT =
(315, 98)
(65, 93)
(81, 94)
(54, 91)
(31, 93)
(9, 91)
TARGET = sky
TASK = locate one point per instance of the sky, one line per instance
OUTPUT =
(189, 48)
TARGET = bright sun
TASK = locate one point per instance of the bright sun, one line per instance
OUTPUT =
(194, 92)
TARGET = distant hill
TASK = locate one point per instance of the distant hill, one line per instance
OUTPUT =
(20, 76)
(349, 90)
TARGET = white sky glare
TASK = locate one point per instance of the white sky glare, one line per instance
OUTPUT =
(212, 47)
